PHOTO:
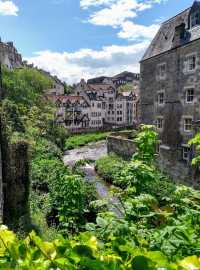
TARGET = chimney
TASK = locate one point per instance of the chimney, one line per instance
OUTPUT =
(179, 35)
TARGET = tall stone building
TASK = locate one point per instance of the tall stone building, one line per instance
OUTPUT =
(170, 90)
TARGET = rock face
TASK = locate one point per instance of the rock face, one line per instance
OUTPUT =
(9, 55)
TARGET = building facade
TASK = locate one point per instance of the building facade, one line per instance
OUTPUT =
(170, 91)
(96, 106)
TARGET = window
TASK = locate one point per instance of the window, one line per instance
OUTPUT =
(195, 18)
(99, 105)
(162, 71)
(189, 95)
(191, 62)
(188, 124)
(161, 97)
(186, 152)
(160, 123)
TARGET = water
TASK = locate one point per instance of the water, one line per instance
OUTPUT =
(94, 152)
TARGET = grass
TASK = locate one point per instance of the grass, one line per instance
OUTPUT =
(84, 139)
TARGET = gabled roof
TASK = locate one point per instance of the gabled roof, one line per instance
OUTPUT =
(163, 40)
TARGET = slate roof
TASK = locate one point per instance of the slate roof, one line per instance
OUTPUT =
(163, 40)
(125, 74)
(100, 87)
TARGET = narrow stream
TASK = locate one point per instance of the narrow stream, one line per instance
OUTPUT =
(93, 151)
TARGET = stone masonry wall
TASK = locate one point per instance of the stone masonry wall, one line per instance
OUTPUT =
(120, 146)
(174, 110)
(16, 182)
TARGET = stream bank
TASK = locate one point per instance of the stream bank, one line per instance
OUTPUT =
(93, 152)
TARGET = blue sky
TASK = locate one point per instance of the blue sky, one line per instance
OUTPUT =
(84, 38)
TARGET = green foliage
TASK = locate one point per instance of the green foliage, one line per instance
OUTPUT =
(86, 252)
(157, 214)
(68, 89)
(146, 142)
(126, 88)
(55, 192)
(69, 196)
(196, 142)
(83, 139)
(109, 167)
(25, 86)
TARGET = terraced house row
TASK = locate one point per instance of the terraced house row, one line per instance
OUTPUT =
(97, 106)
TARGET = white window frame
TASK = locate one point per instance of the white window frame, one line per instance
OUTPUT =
(184, 123)
(189, 95)
(158, 97)
(185, 152)
(188, 62)
(161, 74)
(159, 118)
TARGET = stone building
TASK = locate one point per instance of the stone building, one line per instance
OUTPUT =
(170, 90)
(117, 108)
(96, 106)
(9, 55)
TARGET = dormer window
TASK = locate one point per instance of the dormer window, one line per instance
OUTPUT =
(195, 18)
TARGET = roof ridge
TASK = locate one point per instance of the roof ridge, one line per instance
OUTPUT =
(176, 15)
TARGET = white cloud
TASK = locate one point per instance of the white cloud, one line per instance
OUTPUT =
(120, 14)
(8, 8)
(89, 3)
(87, 63)
(132, 31)
(115, 14)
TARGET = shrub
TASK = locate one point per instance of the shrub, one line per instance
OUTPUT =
(109, 167)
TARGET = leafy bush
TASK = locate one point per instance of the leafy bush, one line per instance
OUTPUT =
(86, 252)
(109, 167)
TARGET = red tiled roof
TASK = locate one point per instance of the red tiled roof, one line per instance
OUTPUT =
(66, 98)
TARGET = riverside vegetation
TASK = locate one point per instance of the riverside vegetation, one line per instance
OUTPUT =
(160, 222)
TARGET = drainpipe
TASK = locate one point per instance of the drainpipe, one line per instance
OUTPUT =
(1, 176)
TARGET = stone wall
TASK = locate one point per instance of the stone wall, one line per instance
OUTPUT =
(16, 182)
(173, 111)
(120, 146)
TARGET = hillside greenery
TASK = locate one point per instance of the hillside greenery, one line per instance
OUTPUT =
(159, 222)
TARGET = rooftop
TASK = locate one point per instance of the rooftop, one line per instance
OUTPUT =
(163, 41)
